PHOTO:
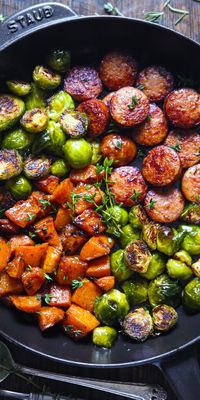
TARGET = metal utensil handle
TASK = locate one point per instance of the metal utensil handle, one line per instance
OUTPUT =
(32, 19)
(129, 390)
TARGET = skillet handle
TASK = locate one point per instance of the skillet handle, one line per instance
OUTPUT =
(32, 19)
(183, 374)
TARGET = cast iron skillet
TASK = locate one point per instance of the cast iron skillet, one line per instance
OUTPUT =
(24, 39)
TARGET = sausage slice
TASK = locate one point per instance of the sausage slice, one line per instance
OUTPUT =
(157, 82)
(182, 108)
(98, 115)
(83, 83)
(187, 144)
(118, 148)
(164, 206)
(191, 184)
(107, 98)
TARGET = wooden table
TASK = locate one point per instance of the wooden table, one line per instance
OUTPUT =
(189, 26)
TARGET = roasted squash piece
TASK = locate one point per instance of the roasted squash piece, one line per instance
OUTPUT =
(85, 295)
(15, 268)
(99, 267)
(52, 259)
(32, 280)
(79, 322)
(45, 229)
(23, 213)
(60, 296)
(63, 217)
(81, 193)
(9, 285)
(27, 304)
(86, 175)
(48, 185)
(91, 222)
(106, 283)
(19, 240)
(72, 238)
(62, 193)
(5, 253)
(70, 268)
(97, 246)
(49, 316)
(32, 255)
(43, 202)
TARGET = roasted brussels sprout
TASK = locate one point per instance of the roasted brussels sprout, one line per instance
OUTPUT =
(138, 324)
(74, 123)
(178, 270)
(137, 256)
(191, 295)
(118, 266)
(111, 307)
(35, 120)
(149, 234)
(96, 151)
(10, 164)
(58, 103)
(78, 153)
(128, 235)
(138, 217)
(11, 109)
(119, 214)
(163, 290)
(191, 214)
(104, 336)
(38, 167)
(183, 256)
(19, 187)
(17, 139)
(136, 291)
(45, 78)
(168, 240)
(156, 266)
(51, 140)
(59, 60)
(36, 98)
(59, 168)
(196, 268)
(191, 241)
(19, 88)
(164, 317)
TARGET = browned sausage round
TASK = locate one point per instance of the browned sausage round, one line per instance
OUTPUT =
(153, 130)
(118, 70)
(164, 206)
(107, 98)
(120, 149)
(127, 186)
(191, 184)
(129, 106)
(83, 83)
(187, 144)
(156, 82)
(161, 166)
(98, 115)
(182, 107)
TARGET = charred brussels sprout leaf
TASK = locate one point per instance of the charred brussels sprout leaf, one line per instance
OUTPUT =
(38, 167)
(164, 317)
(128, 235)
(119, 214)
(168, 240)
(35, 120)
(196, 268)
(156, 266)
(11, 109)
(136, 291)
(59, 60)
(45, 78)
(74, 123)
(96, 151)
(149, 234)
(59, 168)
(137, 217)
(164, 290)
(78, 153)
(19, 88)
(36, 98)
(191, 214)
(178, 270)
(104, 336)
(51, 140)
(17, 139)
(138, 324)
(10, 164)
(58, 103)
(191, 295)
(118, 266)
(111, 307)
(19, 187)
(137, 256)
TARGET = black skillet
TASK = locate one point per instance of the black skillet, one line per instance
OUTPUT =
(24, 39)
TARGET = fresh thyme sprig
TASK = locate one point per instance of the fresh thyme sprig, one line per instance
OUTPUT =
(153, 16)
(111, 10)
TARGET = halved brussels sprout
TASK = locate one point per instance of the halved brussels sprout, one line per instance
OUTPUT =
(183, 256)
(163, 290)
(191, 241)
(149, 234)
(37, 168)
(11, 109)
(17, 139)
(191, 214)
(59, 60)
(19, 88)
(156, 266)
(138, 324)
(58, 103)
(10, 164)
(19, 187)
(36, 98)
(78, 153)
(164, 317)
(178, 270)
(119, 214)
(111, 307)
(137, 256)
(104, 336)
(118, 266)
(168, 240)
(128, 235)
(191, 295)
(74, 123)
(51, 140)
(138, 217)
(136, 291)
(35, 120)
(196, 268)
(59, 168)
(45, 78)
(96, 150)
